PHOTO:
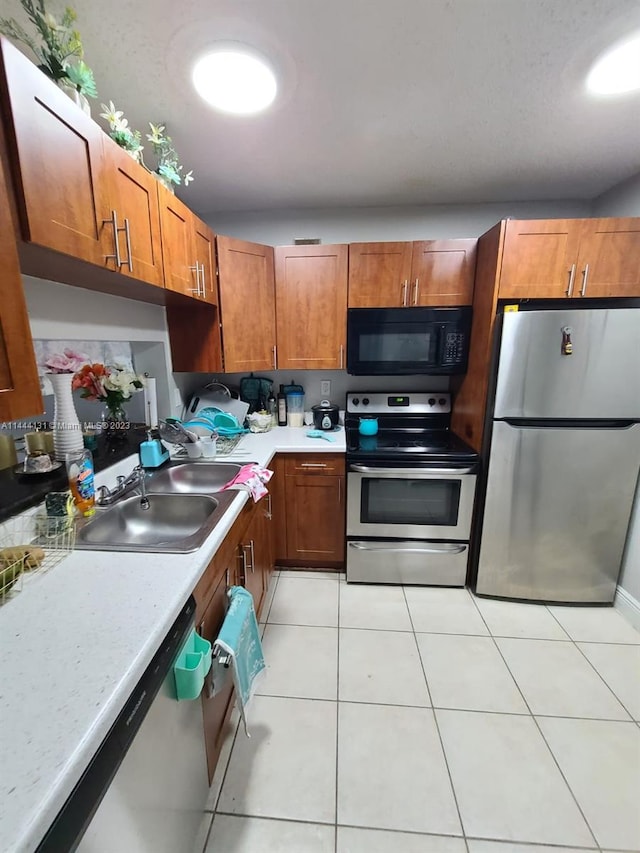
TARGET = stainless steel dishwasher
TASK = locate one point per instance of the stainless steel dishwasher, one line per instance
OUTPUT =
(146, 787)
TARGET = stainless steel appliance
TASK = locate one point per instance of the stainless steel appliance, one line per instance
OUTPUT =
(146, 788)
(410, 491)
(563, 461)
(395, 341)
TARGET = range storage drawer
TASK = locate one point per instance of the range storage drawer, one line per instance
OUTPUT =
(402, 562)
(315, 463)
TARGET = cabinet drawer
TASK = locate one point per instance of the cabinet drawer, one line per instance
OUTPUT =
(315, 463)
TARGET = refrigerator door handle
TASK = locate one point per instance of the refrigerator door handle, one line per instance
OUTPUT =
(546, 423)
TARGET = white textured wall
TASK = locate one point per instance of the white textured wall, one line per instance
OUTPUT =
(281, 227)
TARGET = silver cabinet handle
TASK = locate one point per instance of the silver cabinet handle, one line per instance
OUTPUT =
(116, 229)
(415, 294)
(196, 270)
(127, 237)
(275, 359)
(339, 491)
(269, 512)
(341, 356)
(585, 276)
(405, 285)
(313, 464)
(243, 555)
(360, 546)
(203, 279)
(253, 556)
(572, 275)
(409, 472)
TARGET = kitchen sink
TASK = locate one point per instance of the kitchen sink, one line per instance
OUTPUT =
(173, 523)
(192, 477)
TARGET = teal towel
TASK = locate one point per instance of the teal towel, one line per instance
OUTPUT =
(239, 637)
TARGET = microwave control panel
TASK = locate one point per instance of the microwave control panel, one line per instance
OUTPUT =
(453, 347)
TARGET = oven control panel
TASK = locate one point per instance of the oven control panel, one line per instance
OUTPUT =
(416, 403)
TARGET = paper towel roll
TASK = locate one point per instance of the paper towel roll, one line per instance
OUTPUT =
(150, 403)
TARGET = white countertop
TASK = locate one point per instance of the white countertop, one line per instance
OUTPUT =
(76, 640)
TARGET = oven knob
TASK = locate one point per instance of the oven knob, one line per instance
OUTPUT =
(365, 401)
(442, 401)
(432, 401)
(355, 401)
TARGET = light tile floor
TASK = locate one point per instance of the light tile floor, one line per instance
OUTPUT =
(424, 720)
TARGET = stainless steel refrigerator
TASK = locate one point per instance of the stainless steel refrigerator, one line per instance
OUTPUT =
(564, 455)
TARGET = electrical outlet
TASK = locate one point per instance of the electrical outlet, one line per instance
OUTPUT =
(177, 398)
(325, 388)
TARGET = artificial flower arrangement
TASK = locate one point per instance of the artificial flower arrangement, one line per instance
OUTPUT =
(67, 361)
(111, 385)
(120, 131)
(57, 47)
(168, 166)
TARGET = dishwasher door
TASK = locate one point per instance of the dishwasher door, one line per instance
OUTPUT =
(146, 788)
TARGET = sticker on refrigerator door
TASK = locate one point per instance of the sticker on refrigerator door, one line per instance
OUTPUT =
(509, 309)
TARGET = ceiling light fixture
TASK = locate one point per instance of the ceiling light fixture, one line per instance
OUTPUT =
(618, 70)
(235, 80)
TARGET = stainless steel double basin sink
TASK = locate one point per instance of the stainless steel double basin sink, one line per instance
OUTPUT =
(185, 505)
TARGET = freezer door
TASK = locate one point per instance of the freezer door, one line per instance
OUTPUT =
(557, 511)
(600, 379)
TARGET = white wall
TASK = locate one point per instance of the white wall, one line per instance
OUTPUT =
(621, 200)
(60, 312)
(281, 227)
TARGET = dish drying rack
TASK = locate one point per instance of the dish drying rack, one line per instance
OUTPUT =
(44, 542)
(225, 445)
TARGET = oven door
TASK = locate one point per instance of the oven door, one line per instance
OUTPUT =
(410, 503)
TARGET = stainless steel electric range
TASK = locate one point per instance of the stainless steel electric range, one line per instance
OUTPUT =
(410, 490)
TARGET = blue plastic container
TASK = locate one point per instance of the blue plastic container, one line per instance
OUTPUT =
(368, 426)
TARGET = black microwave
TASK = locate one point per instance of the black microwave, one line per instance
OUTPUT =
(402, 341)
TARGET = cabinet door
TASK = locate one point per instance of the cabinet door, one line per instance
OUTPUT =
(178, 254)
(315, 518)
(608, 259)
(442, 272)
(19, 384)
(279, 507)
(59, 174)
(214, 710)
(252, 552)
(204, 241)
(539, 258)
(379, 274)
(133, 198)
(311, 300)
(247, 305)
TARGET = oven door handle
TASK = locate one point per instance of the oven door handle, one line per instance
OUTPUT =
(368, 469)
(451, 549)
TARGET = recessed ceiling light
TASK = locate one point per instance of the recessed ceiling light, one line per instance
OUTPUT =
(618, 71)
(235, 81)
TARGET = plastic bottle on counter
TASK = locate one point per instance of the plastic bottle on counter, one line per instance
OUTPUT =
(272, 408)
(81, 481)
(282, 408)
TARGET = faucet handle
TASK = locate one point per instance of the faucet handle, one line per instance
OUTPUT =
(120, 480)
(103, 495)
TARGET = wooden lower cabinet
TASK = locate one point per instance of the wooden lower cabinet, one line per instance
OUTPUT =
(245, 557)
(312, 504)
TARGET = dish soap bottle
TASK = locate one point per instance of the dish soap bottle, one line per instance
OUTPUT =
(81, 482)
(272, 408)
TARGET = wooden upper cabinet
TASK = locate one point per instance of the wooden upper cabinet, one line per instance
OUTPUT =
(247, 296)
(425, 272)
(178, 253)
(311, 299)
(204, 248)
(570, 258)
(538, 259)
(609, 258)
(134, 217)
(19, 384)
(61, 192)
(442, 272)
(379, 274)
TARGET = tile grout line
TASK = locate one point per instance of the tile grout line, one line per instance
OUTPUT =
(535, 722)
(435, 720)
(601, 677)
(335, 832)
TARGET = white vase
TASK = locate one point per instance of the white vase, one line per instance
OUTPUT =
(67, 431)
(77, 97)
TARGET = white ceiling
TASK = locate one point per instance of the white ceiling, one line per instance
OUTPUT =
(381, 103)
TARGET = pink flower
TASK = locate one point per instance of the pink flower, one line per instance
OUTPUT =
(66, 362)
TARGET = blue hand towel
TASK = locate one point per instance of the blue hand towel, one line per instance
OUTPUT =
(239, 637)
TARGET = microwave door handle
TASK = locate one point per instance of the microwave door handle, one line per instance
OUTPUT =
(367, 469)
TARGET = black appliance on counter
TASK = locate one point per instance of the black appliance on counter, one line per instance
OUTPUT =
(408, 341)
(410, 491)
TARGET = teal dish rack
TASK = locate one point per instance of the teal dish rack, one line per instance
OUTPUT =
(191, 666)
